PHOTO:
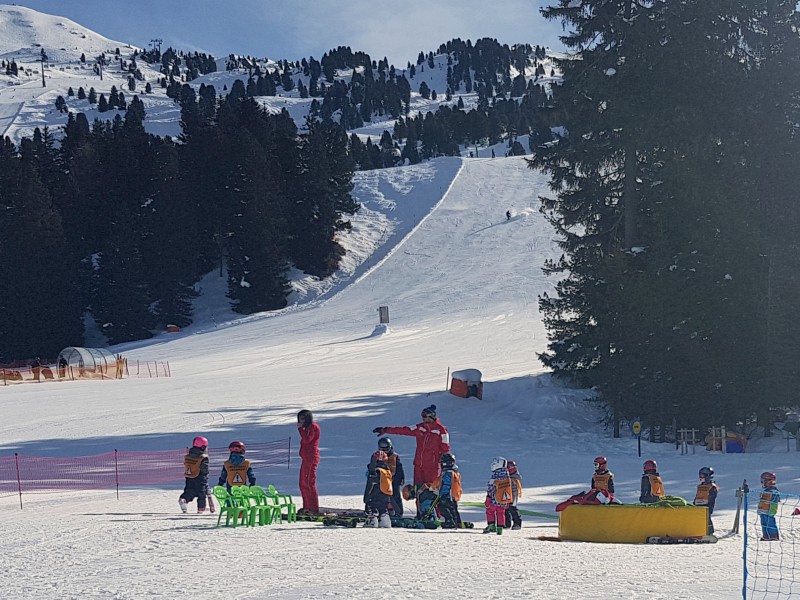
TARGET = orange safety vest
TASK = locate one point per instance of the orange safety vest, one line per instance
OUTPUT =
(237, 474)
(455, 485)
(502, 491)
(601, 480)
(656, 486)
(385, 480)
(191, 465)
(703, 492)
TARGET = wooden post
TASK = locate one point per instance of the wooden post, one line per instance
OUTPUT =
(740, 492)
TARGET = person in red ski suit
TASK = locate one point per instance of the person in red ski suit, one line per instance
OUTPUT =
(432, 441)
(309, 455)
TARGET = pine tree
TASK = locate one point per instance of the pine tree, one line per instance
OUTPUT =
(327, 171)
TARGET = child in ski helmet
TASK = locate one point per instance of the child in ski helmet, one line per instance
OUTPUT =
(768, 506)
(498, 496)
(652, 489)
(236, 470)
(512, 512)
(195, 470)
(706, 494)
(448, 487)
(603, 479)
(398, 475)
(378, 491)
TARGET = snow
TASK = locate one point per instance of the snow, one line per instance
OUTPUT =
(432, 243)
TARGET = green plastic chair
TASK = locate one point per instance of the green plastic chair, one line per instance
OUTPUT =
(283, 501)
(264, 507)
(229, 507)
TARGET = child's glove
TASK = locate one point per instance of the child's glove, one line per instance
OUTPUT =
(379, 430)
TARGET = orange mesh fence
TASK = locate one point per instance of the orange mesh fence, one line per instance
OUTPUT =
(30, 474)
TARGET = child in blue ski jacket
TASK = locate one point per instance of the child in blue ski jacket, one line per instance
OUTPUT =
(768, 506)
(236, 470)
(448, 487)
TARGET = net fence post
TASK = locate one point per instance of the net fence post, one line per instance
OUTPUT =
(116, 472)
(19, 480)
(744, 541)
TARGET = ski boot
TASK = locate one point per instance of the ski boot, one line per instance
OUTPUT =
(201, 511)
(183, 504)
(490, 528)
(385, 521)
(516, 527)
(372, 521)
(499, 530)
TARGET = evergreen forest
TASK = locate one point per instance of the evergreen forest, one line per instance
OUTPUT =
(674, 189)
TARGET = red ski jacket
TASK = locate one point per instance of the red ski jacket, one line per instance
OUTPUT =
(432, 441)
(309, 443)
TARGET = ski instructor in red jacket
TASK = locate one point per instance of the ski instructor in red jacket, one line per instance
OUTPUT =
(432, 441)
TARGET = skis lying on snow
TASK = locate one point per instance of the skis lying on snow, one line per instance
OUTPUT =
(412, 523)
(689, 539)
(402, 522)
(353, 514)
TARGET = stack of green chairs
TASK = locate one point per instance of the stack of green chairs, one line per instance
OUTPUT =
(229, 506)
(283, 501)
(262, 507)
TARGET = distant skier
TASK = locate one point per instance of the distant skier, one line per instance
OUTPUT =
(508, 215)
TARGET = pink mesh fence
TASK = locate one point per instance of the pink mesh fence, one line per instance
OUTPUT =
(24, 474)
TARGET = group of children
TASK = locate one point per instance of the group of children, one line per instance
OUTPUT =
(235, 471)
(652, 490)
(438, 498)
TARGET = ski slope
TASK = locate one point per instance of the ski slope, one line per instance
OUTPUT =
(431, 242)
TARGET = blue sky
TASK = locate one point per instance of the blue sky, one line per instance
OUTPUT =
(293, 30)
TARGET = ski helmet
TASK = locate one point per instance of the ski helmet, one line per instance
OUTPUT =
(385, 444)
(447, 460)
(200, 442)
(600, 463)
(650, 465)
(707, 473)
(512, 466)
(409, 492)
(498, 463)
(236, 447)
(768, 478)
(380, 455)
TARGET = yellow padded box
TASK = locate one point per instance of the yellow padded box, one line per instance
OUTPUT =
(629, 523)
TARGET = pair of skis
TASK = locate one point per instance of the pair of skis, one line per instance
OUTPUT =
(689, 539)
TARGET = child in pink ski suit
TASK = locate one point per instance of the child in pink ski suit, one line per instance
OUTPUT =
(499, 497)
